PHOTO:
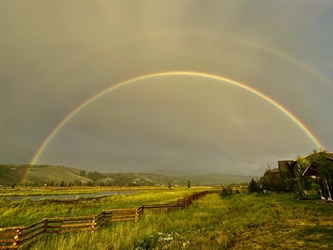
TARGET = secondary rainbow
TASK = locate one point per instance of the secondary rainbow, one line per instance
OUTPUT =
(47, 140)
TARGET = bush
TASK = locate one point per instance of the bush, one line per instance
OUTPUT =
(226, 192)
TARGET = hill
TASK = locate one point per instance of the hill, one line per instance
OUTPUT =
(11, 175)
(37, 175)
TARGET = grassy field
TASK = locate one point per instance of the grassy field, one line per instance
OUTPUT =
(240, 222)
(24, 191)
(26, 212)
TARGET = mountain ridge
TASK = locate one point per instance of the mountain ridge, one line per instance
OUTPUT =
(47, 175)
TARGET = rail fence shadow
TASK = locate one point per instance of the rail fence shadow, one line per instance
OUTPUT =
(14, 237)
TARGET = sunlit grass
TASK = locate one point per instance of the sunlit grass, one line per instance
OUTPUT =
(240, 222)
(47, 190)
(23, 213)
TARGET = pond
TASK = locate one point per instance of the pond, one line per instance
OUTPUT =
(67, 196)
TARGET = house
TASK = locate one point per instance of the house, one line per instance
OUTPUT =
(271, 180)
(270, 173)
(318, 166)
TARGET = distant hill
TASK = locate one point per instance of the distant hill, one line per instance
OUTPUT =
(39, 174)
(218, 179)
(63, 176)
(54, 174)
(206, 179)
(168, 172)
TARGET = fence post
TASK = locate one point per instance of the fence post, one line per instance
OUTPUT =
(136, 214)
(45, 225)
(17, 237)
(166, 208)
(93, 224)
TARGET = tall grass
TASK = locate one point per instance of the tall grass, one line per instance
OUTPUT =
(26, 212)
(239, 222)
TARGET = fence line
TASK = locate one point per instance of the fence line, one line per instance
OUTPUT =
(14, 237)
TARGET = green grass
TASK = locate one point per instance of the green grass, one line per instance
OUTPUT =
(24, 191)
(26, 212)
(240, 222)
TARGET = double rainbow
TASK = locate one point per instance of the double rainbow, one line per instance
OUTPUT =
(75, 111)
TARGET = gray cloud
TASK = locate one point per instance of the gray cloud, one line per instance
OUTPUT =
(55, 55)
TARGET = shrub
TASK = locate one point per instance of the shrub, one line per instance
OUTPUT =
(226, 192)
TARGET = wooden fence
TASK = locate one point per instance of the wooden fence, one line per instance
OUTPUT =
(14, 237)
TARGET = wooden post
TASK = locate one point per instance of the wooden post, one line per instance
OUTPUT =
(45, 225)
(166, 208)
(93, 225)
(136, 214)
(17, 238)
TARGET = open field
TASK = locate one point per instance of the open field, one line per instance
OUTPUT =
(240, 222)
(26, 212)
(24, 191)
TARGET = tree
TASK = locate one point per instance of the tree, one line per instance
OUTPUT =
(95, 176)
(253, 186)
(83, 173)
(188, 184)
(226, 192)
(169, 185)
(288, 180)
(272, 181)
(308, 183)
(321, 161)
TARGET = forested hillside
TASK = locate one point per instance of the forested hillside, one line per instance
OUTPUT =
(46, 175)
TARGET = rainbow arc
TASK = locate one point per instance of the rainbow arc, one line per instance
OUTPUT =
(87, 102)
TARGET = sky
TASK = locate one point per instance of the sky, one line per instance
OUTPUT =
(194, 86)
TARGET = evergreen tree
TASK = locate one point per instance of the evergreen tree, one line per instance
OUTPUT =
(253, 186)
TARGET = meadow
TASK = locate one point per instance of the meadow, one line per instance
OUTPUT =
(243, 221)
(26, 212)
(24, 191)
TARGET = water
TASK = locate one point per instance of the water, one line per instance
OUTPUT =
(66, 196)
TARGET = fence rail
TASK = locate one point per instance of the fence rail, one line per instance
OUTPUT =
(14, 237)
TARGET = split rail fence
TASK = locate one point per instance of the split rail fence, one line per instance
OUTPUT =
(14, 237)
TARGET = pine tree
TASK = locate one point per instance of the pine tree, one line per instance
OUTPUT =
(253, 186)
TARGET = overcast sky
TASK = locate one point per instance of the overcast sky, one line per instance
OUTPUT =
(55, 55)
